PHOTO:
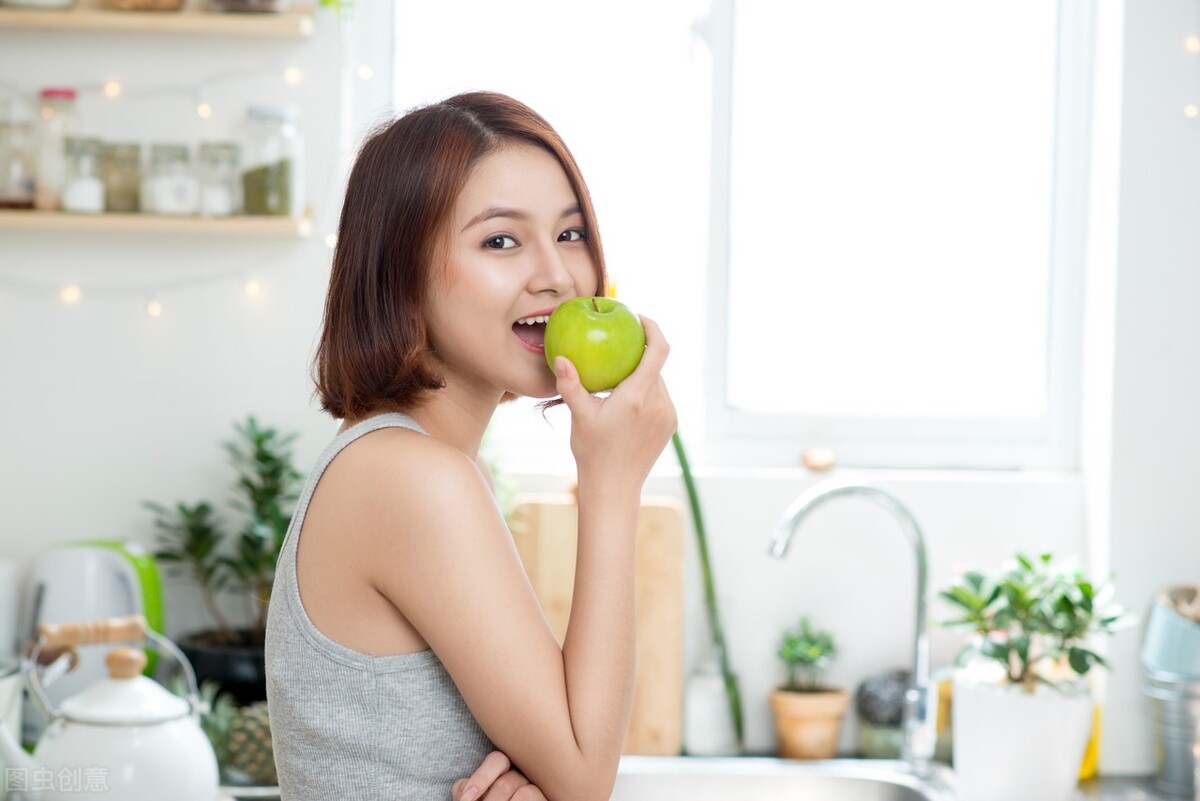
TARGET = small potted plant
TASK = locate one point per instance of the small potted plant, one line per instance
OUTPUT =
(808, 714)
(1022, 711)
(195, 544)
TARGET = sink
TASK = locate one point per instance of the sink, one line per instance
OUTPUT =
(642, 778)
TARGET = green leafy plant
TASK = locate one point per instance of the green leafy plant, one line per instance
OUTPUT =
(1033, 619)
(192, 541)
(807, 653)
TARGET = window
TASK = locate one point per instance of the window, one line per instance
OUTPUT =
(859, 223)
(896, 231)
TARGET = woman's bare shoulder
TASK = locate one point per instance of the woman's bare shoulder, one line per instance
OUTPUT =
(398, 469)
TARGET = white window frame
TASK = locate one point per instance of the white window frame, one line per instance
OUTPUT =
(739, 438)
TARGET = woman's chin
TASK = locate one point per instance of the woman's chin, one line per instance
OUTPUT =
(540, 390)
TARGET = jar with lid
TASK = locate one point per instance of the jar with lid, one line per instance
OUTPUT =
(170, 186)
(56, 122)
(217, 164)
(273, 176)
(83, 191)
(16, 165)
(121, 172)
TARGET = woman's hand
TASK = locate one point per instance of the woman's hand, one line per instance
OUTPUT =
(496, 780)
(621, 436)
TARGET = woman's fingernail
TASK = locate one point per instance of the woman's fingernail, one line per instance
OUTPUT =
(560, 369)
(471, 793)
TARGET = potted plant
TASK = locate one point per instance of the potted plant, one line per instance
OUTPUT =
(1022, 710)
(808, 714)
(194, 543)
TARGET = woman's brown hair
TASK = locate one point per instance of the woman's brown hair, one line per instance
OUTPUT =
(373, 352)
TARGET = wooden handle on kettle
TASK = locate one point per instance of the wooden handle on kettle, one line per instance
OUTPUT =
(86, 632)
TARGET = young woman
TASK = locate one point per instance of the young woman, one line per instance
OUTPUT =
(404, 642)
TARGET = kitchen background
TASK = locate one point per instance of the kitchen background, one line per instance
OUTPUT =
(106, 406)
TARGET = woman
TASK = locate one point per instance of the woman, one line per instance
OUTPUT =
(404, 641)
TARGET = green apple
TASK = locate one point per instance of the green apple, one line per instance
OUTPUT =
(602, 337)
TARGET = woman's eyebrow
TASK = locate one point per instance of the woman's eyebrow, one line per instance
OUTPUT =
(515, 214)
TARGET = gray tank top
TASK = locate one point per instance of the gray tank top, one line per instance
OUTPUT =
(349, 725)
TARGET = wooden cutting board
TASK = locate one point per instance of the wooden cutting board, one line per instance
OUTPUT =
(545, 528)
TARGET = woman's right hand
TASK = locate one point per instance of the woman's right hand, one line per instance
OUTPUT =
(621, 436)
(496, 780)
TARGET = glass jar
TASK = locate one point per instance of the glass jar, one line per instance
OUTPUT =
(16, 165)
(169, 185)
(217, 164)
(121, 171)
(56, 122)
(273, 177)
(83, 191)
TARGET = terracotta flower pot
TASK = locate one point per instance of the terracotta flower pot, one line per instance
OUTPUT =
(808, 724)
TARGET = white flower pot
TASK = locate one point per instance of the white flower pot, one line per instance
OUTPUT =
(1009, 744)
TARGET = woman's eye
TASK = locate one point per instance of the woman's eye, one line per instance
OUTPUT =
(500, 242)
(572, 235)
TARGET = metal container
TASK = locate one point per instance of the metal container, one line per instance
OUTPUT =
(1175, 700)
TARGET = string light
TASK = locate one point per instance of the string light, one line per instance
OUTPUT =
(1191, 111)
(114, 88)
(148, 295)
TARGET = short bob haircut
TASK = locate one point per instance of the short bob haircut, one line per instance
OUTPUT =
(374, 352)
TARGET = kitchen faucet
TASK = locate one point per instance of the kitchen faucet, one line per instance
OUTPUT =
(920, 705)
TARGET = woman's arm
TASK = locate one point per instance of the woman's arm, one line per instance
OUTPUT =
(444, 558)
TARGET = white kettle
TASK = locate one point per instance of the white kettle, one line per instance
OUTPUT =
(124, 738)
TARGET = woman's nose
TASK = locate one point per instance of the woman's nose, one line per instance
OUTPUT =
(551, 273)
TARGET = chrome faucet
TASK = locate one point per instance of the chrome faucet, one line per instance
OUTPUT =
(920, 704)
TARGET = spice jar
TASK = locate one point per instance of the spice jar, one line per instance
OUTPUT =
(16, 165)
(56, 121)
(273, 180)
(83, 191)
(121, 172)
(170, 186)
(220, 185)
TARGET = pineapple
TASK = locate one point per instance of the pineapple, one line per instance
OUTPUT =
(249, 745)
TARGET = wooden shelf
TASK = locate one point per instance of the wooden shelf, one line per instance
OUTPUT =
(265, 227)
(94, 15)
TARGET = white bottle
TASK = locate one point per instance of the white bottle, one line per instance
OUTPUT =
(56, 121)
(707, 720)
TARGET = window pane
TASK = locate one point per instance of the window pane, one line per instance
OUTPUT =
(891, 185)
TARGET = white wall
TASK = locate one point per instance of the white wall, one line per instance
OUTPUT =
(1153, 503)
(104, 407)
(849, 566)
